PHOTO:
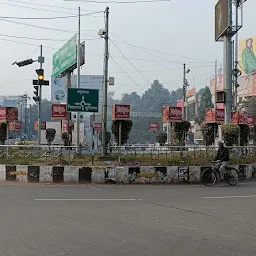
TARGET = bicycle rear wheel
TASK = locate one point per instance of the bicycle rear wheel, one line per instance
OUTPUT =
(209, 177)
(232, 176)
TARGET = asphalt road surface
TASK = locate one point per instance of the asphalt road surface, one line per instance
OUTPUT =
(134, 220)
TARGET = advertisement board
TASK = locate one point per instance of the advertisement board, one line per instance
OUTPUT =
(221, 18)
(8, 113)
(121, 112)
(43, 125)
(97, 126)
(153, 127)
(191, 92)
(247, 53)
(239, 117)
(220, 115)
(210, 115)
(59, 87)
(250, 121)
(175, 114)
(247, 85)
(180, 103)
(15, 125)
(59, 112)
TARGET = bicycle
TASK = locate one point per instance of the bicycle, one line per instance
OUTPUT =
(209, 175)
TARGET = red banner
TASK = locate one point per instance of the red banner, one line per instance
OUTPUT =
(8, 114)
(239, 117)
(220, 115)
(250, 121)
(14, 125)
(121, 112)
(59, 112)
(43, 125)
(175, 114)
(97, 126)
(153, 127)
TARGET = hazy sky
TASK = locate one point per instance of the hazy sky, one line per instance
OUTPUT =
(183, 29)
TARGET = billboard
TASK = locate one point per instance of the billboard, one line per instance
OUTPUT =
(15, 125)
(213, 115)
(121, 112)
(191, 92)
(247, 53)
(247, 85)
(8, 113)
(97, 126)
(43, 125)
(250, 121)
(221, 18)
(239, 117)
(153, 127)
(59, 87)
(175, 114)
(180, 103)
(59, 112)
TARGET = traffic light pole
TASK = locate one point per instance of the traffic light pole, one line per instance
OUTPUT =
(39, 102)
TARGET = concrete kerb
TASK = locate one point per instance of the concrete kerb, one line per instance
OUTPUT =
(119, 175)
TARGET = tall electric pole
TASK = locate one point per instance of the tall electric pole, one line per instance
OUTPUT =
(78, 82)
(105, 86)
(185, 86)
(40, 99)
(25, 109)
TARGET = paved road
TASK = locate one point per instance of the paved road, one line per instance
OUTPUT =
(135, 220)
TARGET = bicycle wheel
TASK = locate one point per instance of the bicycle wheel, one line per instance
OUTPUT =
(209, 177)
(232, 176)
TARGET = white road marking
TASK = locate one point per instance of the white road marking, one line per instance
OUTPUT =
(87, 199)
(94, 188)
(226, 197)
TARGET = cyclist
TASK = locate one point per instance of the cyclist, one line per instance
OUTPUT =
(222, 158)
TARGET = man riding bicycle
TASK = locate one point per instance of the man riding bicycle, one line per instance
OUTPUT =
(222, 158)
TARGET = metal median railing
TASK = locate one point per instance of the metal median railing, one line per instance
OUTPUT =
(125, 155)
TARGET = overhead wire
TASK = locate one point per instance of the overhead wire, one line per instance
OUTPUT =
(126, 73)
(47, 18)
(166, 53)
(118, 2)
(46, 5)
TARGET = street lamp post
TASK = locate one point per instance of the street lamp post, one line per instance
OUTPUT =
(185, 86)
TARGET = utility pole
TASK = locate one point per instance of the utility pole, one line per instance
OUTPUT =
(40, 100)
(25, 97)
(185, 86)
(105, 87)
(215, 83)
(228, 67)
(78, 82)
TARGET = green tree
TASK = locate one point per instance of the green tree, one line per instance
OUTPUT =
(64, 137)
(181, 129)
(209, 132)
(161, 138)
(205, 102)
(244, 134)
(3, 133)
(126, 126)
(250, 105)
(108, 137)
(50, 135)
(230, 134)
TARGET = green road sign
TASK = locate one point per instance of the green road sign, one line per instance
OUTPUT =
(83, 100)
(64, 58)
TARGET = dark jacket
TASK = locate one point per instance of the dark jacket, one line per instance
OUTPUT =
(222, 154)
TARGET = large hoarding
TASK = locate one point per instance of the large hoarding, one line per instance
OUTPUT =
(221, 18)
(247, 85)
(247, 53)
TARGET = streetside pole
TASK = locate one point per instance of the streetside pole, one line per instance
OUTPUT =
(105, 87)
(184, 92)
(78, 83)
(39, 102)
(228, 68)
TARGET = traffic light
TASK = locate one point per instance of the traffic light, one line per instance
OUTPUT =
(36, 92)
(24, 62)
(40, 74)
